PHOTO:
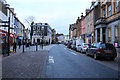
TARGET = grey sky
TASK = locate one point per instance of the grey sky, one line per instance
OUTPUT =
(58, 13)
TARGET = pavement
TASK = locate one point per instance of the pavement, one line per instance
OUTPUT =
(26, 65)
(26, 49)
(30, 64)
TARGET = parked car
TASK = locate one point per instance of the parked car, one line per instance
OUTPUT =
(66, 43)
(102, 50)
(69, 44)
(82, 47)
(73, 45)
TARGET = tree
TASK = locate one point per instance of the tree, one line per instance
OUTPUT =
(30, 19)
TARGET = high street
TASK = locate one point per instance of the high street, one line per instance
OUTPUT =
(70, 64)
(57, 61)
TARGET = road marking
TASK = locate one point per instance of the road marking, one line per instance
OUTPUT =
(51, 59)
(64, 48)
(73, 53)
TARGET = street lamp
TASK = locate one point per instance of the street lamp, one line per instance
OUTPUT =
(42, 35)
(23, 40)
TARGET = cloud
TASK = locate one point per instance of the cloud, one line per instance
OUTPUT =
(58, 13)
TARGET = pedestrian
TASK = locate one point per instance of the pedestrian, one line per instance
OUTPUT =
(19, 44)
(42, 44)
(14, 47)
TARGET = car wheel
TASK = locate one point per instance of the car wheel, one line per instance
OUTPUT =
(87, 54)
(95, 56)
(112, 58)
(76, 50)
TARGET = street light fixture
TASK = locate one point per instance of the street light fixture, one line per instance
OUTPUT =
(23, 40)
(42, 35)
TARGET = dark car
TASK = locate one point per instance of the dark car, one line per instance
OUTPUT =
(69, 44)
(102, 50)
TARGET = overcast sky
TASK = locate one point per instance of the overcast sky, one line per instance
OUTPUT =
(57, 13)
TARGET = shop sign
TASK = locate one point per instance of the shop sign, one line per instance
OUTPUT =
(88, 35)
(11, 35)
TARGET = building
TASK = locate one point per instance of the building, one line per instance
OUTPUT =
(78, 24)
(27, 35)
(83, 28)
(74, 31)
(16, 27)
(70, 31)
(3, 17)
(107, 27)
(53, 36)
(41, 31)
(19, 30)
(90, 27)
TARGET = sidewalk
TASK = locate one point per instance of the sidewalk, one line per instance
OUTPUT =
(30, 49)
(26, 65)
(118, 58)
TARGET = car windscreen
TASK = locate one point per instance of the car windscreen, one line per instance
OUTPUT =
(107, 46)
(86, 45)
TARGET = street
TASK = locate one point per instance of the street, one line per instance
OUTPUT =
(57, 61)
(69, 64)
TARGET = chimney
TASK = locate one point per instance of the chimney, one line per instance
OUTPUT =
(82, 15)
(7, 5)
(92, 3)
(87, 11)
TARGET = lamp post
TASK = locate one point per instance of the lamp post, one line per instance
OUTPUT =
(9, 37)
(23, 40)
(42, 35)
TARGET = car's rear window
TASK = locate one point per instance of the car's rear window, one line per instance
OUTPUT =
(107, 46)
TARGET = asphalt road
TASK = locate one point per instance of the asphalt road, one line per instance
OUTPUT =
(64, 63)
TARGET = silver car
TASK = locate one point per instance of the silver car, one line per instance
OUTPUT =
(82, 47)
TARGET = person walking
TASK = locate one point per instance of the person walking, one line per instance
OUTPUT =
(42, 44)
(14, 47)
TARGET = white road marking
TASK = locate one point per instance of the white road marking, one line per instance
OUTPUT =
(73, 53)
(64, 48)
(51, 59)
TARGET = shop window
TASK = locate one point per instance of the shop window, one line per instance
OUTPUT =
(116, 33)
(109, 36)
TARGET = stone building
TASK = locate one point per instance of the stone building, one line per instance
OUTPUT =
(108, 25)
(41, 31)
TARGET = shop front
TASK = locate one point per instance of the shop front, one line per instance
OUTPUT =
(88, 38)
(83, 38)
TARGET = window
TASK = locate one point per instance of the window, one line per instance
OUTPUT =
(34, 27)
(109, 10)
(104, 12)
(116, 6)
(88, 28)
(91, 27)
(91, 15)
(116, 33)
(109, 36)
